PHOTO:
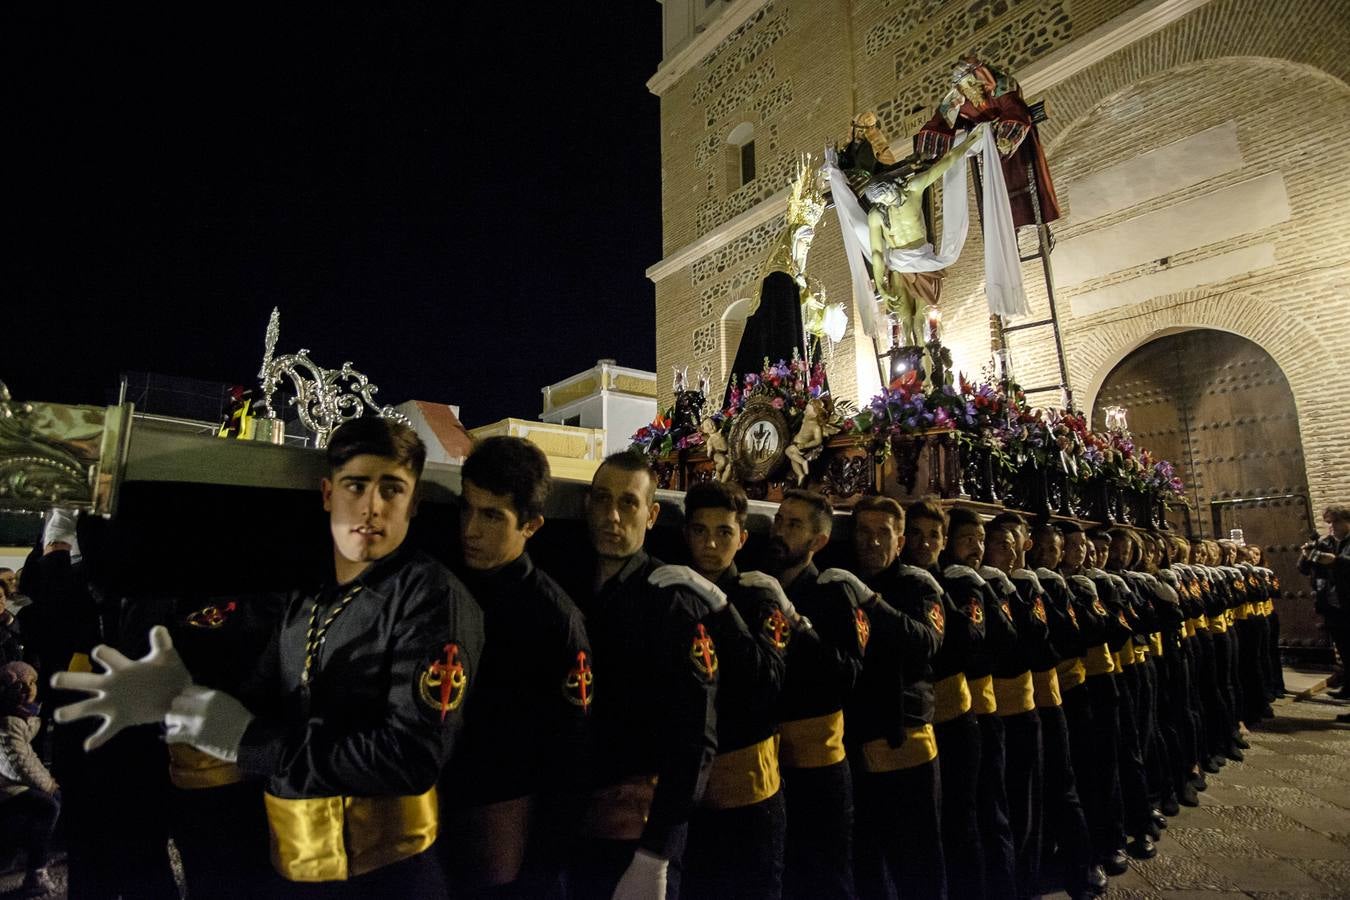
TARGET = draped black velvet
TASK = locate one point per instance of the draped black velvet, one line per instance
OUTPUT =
(773, 332)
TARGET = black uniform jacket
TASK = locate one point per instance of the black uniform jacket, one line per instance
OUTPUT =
(825, 662)
(1062, 614)
(963, 591)
(752, 637)
(1033, 622)
(1002, 652)
(525, 724)
(909, 625)
(387, 684)
(657, 663)
(1088, 609)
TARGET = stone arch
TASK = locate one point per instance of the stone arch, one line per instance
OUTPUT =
(1294, 346)
(1313, 33)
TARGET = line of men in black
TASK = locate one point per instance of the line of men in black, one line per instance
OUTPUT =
(966, 710)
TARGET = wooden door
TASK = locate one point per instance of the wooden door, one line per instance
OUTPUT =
(1220, 409)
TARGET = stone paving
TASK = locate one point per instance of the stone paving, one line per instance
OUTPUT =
(1275, 826)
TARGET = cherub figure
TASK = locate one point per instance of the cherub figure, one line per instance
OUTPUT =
(718, 448)
(815, 428)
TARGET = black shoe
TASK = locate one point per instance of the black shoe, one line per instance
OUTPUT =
(1198, 781)
(1153, 831)
(1241, 743)
(1344, 717)
(1157, 814)
(1095, 880)
(1117, 863)
(1235, 754)
(1210, 766)
(1141, 847)
(1188, 796)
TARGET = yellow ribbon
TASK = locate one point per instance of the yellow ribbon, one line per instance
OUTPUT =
(1047, 688)
(1071, 673)
(812, 743)
(920, 747)
(1098, 660)
(1015, 695)
(951, 698)
(336, 838)
(982, 698)
(743, 777)
(191, 769)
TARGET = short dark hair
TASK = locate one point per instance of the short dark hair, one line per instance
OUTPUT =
(502, 464)
(630, 461)
(717, 495)
(822, 511)
(927, 508)
(960, 517)
(1099, 534)
(1136, 545)
(886, 505)
(1008, 520)
(1337, 513)
(1045, 529)
(377, 437)
(1068, 528)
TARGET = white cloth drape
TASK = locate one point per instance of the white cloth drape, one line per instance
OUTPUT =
(1002, 269)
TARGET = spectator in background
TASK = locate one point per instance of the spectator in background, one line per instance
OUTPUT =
(29, 796)
(1327, 562)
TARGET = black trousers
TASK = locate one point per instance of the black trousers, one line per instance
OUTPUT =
(818, 845)
(1130, 758)
(1066, 827)
(417, 876)
(1091, 781)
(28, 821)
(736, 852)
(1023, 779)
(221, 836)
(991, 808)
(1107, 820)
(959, 753)
(898, 840)
(1218, 722)
(1174, 687)
(1275, 665)
(1251, 652)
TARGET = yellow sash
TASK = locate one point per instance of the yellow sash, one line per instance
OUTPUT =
(1014, 696)
(1047, 688)
(1218, 624)
(920, 747)
(1098, 661)
(336, 838)
(743, 777)
(812, 743)
(982, 698)
(1189, 627)
(1270, 607)
(1071, 673)
(193, 770)
(1155, 644)
(952, 698)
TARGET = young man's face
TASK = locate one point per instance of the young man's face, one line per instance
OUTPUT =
(619, 511)
(490, 531)
(1000, 550)
(1338, 528)
(1047, 548)
(793, 537)
(967, 545)
(369, 501)
(924, 540)
(9, 583)
(877, 540)
(1075, 550)
(714, 536)
(1119, 553)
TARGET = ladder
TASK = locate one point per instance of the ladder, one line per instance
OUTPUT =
(1045, 244)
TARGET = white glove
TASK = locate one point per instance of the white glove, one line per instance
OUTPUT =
(645, 877)
(767, 582)
(844, 576)
(685, 577)
(128, 693)
(211, 721)
(59, 528)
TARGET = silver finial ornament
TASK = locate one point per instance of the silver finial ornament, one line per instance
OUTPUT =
(324, 398)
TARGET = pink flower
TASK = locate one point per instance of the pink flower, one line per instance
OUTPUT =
(777, 402)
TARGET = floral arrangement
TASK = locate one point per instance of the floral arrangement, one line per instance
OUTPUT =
(788, 385)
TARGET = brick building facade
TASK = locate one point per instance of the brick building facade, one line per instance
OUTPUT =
(1244, 103)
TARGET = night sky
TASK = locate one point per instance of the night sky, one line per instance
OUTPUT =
(461, 199)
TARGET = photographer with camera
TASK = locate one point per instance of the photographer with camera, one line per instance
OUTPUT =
(1327, 562)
